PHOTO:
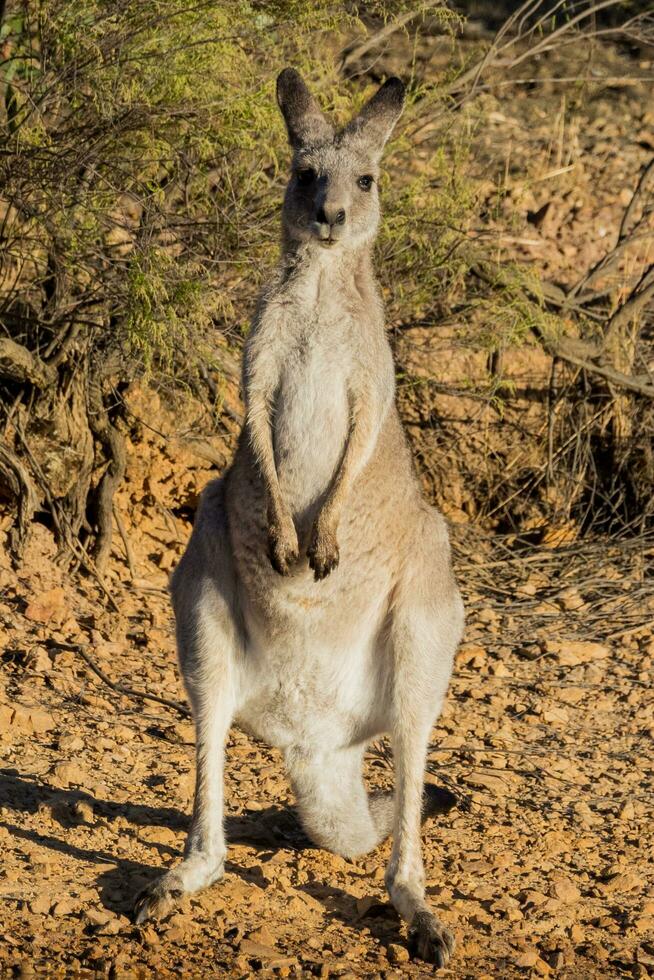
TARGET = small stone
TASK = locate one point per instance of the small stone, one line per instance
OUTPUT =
(528, 958)
(39, 662)
(41, 904)
(48, 607)
(486, 780)
(571, 653)
(65, 906)
(31, 720)
(97, 917)
(122, 733)
(484, 893)
(644, 924)
(397, 954)
(41, 721)
(565, 890)
(627, 812)
(571, 600)
(263, 936)
(70, 743)
(67, 774)
(268, 955)
(584, 814)
(532, 897)
(556, 716)
(471, 654)
(110, 928)
(626, 882)
(83, 812)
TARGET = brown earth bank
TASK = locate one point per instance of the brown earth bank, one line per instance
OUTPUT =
(543, 868)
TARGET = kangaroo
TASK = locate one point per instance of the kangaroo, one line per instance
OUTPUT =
(315, 603)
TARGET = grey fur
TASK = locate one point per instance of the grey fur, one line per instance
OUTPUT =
(315, 603)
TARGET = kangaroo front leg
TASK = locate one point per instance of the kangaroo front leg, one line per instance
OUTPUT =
(282, 536)
(405, 877)
(323, 550)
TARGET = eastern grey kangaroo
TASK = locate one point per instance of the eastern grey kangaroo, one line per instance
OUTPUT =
(315, 603)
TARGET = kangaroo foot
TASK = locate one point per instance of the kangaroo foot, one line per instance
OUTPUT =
(161, 895)
(429, 940)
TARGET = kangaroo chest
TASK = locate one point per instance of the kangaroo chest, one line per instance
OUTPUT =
(311, 412)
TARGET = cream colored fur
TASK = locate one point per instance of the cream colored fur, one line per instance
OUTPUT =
(315, 603)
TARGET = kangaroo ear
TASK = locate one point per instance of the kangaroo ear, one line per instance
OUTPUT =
(376, 120)
(304, 120)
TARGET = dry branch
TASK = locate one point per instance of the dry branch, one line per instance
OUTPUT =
(354, 52)
(522, 38)
(116, 686)
(632, 307)
(20, 364)
(21, 486)
(129, 553)
(114, 445)
(564, 350)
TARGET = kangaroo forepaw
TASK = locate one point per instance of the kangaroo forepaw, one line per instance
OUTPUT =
(157, 898)
(429, 940)
(283, 547)
(323, 553)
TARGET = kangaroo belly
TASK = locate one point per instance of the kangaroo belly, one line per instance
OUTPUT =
(310, 685)
(310, 429)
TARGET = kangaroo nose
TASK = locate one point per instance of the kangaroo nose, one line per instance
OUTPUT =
(330, 216)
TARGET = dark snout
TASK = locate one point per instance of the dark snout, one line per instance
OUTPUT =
(330, 215)
(329, 219)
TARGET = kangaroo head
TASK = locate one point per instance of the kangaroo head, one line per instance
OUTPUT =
(332, 198)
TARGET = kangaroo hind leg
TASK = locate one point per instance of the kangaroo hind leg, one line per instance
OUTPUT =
(427, 624)
(207, 639)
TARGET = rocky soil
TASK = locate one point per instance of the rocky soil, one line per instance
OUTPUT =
(544, 867)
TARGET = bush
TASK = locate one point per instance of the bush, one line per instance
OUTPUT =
(140, 182)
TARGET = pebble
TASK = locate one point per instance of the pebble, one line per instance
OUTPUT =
(68, 774)
(397, 954)
(48, 607)
(565, 890)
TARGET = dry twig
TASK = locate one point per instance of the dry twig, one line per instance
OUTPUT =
(116, 686)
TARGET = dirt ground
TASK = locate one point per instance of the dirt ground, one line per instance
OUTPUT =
(545, 867)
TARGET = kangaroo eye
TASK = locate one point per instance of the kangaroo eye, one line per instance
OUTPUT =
(365, 182)
(305, 176)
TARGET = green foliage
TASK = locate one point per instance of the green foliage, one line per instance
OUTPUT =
(142, 172)
(140, 163)
(513, 310)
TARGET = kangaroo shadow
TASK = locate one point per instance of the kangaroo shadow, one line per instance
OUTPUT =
(269, 829)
